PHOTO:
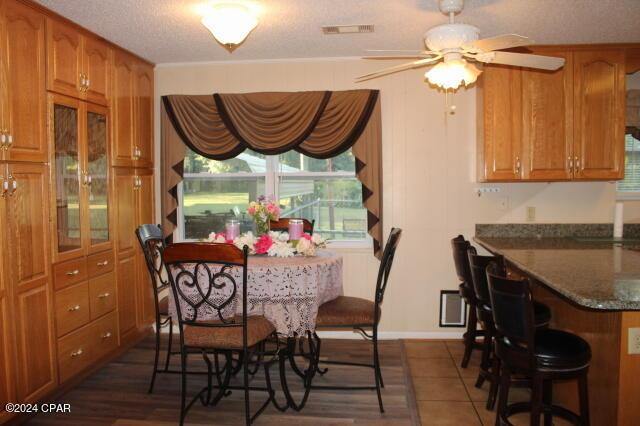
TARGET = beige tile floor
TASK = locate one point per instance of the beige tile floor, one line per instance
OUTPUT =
(445, 392)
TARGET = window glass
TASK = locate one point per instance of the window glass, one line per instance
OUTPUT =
(631, 181)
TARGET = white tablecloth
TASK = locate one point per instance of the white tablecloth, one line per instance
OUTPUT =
(287, 291)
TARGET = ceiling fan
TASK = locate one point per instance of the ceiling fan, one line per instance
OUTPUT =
(451, 45)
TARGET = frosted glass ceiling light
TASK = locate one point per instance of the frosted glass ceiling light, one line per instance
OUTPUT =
(452, 73)
(230, 22)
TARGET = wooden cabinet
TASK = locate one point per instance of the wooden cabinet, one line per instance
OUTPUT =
(134, 206)
(122, 108)
(599, 99)
(553, 126)
(22, 83)
(78, 65)
(143, 149)
(27, 242)
(132, 108)
(80, 174)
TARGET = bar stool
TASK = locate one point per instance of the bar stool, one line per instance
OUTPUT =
(543, 354)
(461, 262)
(490, 365)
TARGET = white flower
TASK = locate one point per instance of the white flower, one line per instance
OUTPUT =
(318, 240)
(306, 247)
(281, 249)
(283, 237)
(246, 239)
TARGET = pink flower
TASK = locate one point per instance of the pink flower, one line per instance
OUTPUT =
(251, 210)
(306, 236)
(263, 244)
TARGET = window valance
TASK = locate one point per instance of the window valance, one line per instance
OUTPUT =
(319, 124)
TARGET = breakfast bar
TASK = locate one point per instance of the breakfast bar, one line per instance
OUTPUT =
(593, 289)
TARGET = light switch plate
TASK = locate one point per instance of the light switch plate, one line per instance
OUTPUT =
(531, 214)
(634, 341)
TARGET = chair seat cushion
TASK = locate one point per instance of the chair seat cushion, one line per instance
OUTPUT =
(163, 305)
(542, 314)
(560, 350)
(346, 311)
(258, 329)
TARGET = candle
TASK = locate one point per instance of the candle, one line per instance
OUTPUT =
(296, 228)
(232, 229)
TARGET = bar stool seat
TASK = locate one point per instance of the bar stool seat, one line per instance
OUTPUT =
(560, 350)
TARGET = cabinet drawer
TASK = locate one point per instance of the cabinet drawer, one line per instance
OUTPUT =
(75, 352)
(105, 335)
(70, 272)
(100, 263)
(102, 294)
(72, 308)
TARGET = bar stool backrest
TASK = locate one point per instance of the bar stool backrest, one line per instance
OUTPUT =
(478, 267)
(513, 312)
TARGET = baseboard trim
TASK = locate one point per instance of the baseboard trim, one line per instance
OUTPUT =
(394, 335)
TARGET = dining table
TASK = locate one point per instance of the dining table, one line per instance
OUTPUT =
(287, 291)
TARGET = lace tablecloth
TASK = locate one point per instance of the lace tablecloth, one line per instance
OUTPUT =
(287, 291)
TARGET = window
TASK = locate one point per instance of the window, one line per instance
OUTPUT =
(629, 187)
(326, 191)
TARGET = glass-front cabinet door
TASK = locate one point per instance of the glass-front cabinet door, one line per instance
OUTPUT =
(97, 170)
(67, 176)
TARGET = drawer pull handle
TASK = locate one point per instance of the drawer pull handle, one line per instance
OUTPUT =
(105, 263)
(74, 308)
(76, 353)
(103, 295)
(106, 335)
(74, 272)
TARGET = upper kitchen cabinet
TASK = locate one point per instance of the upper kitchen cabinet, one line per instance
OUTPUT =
(143, 149)
(599, 99)
(132, 107)
(553, 125)
(78, 65)
(122, 107)
(22, 83)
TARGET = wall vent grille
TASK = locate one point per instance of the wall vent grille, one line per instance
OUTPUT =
(347, 29)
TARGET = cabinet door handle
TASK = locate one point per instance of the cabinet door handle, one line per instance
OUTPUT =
(103, 295)
(3, 138)
(106, 335)
(577, 160)
(74, 308)
(5, 186)
(105, 263)
(14, 185)
(517, 168)
(570, 160)
(77, 353)
(74, 272)
(88, 83)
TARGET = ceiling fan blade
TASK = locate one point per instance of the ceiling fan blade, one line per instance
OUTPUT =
(397, 57)
(500, 42)
(397, 68)
(526, 60)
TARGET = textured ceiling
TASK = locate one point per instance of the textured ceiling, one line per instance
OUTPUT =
(166, 31)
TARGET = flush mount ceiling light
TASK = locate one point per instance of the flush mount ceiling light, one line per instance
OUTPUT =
(230, 22)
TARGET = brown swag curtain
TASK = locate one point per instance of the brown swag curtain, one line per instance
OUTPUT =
(319, 124)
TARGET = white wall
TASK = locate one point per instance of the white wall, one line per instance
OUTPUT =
(429, 175)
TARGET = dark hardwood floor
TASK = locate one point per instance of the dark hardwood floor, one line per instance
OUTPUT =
(117, 394)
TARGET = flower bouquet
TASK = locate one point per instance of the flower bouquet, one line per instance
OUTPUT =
(264, 210)
(276, 244)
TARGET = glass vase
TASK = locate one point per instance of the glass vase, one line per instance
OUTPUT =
(262, 227)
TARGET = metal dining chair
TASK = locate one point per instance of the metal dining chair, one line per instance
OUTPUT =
(361, 314)
(210, 278)
(283, 224)
(152, 244)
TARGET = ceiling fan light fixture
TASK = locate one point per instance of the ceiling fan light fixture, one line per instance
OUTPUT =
(453, 73)
(230, 23)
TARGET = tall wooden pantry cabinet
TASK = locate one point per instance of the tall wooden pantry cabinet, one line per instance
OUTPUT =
(71, 297)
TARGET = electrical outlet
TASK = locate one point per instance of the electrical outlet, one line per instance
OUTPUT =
(531, 214)
(634, 341)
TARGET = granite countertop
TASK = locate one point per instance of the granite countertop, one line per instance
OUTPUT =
(595, 274)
